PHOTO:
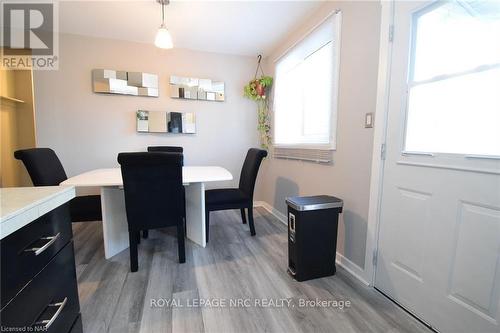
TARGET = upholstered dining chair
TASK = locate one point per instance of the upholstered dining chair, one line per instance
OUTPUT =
(45, 169)
(153, 196)
(237, 198)
(166, 149)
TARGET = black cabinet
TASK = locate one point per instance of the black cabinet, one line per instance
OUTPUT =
(77, 325)
(28, 250)
(39, 287)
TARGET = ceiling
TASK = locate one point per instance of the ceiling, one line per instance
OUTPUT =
(231, 27)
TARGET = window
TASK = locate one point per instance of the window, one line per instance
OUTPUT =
(454, 81)
(305, 96)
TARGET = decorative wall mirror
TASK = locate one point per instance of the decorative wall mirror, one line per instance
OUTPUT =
(199, 89)
(165, 122)
(107, 81)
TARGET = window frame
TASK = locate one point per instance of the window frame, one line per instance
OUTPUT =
(332, 144)
(412, 83)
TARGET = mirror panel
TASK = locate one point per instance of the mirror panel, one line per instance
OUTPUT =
(166, 122)
(199, 89)
(107, 81)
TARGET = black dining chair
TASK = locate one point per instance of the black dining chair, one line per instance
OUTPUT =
(166, 149)
(237, 198)
(45, 169)
(153, 196)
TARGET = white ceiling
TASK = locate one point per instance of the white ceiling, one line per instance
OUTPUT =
(231, 27)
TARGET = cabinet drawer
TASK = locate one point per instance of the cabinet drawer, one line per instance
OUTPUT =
(25, 252)
(49, 303)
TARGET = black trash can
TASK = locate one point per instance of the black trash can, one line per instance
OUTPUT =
(312, 236)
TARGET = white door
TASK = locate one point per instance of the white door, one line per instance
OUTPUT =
(439, 238)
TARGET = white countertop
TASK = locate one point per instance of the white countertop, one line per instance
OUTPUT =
(22, 205)
(113, 177)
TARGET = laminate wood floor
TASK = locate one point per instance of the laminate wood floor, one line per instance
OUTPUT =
(234, 267)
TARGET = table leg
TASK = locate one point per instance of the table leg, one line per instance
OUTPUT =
(195, 213)
(114, 221)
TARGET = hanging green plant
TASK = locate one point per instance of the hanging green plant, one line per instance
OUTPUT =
(258, 90)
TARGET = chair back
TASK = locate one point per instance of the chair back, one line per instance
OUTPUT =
(43, 166)
(153, 189)
(166, 149)
(250, 170)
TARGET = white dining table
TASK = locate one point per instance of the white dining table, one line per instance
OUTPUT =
(114, 218)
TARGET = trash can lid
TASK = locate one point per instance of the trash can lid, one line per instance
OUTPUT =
(315, 202)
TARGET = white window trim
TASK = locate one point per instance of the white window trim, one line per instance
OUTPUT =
(333, 119)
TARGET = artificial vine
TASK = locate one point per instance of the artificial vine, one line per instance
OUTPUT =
(258, 90)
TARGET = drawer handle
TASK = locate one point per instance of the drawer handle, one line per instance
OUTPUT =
(40, 250)
(47, 323)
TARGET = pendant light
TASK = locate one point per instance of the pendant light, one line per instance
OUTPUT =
(163, 39)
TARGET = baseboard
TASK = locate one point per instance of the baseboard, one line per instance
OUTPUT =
(353, 269)
(279, 215)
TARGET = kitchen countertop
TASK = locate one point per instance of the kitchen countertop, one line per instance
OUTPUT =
(21, 205)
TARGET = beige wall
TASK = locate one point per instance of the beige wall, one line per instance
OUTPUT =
(349, 176)
(88, 130)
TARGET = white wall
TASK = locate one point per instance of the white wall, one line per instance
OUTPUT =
(349, 175)
(88, 130)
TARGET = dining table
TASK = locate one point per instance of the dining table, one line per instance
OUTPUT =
(114, 217)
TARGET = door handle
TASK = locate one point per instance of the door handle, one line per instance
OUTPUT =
(48, 322)
(40, 250)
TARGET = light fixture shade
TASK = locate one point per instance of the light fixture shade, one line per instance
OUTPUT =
(163, 39)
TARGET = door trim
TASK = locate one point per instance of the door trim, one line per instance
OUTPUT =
(379, 137)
